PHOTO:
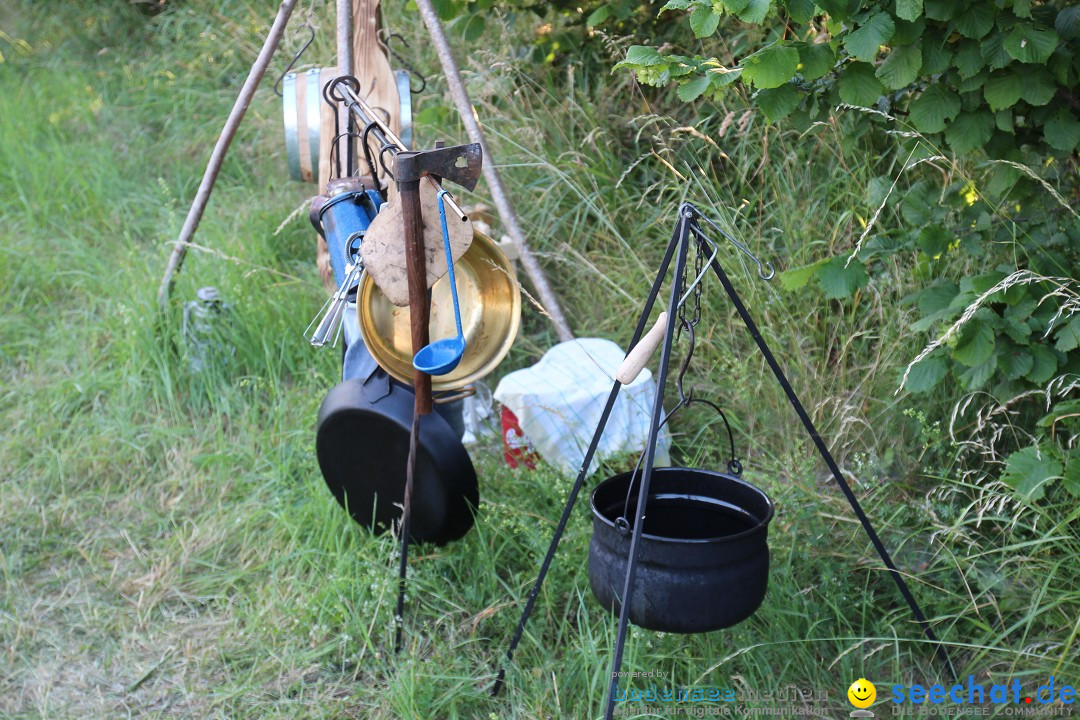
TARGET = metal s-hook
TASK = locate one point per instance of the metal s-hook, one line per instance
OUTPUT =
(296, 58)
(695, 215)
(384, 39)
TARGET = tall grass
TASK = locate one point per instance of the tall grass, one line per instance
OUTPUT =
(167, 546)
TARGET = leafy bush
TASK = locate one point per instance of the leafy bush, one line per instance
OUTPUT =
(980, 92)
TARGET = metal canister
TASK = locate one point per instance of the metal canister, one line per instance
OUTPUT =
(301, 95)
(342, 216)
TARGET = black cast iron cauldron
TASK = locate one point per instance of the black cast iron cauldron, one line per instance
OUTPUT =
(704, 561)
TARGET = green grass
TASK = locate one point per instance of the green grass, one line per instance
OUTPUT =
(167, 545)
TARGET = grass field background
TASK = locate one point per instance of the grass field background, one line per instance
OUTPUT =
(167, 545)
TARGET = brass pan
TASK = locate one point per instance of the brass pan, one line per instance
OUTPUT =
(490, 303)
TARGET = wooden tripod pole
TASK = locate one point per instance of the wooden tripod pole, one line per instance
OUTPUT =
(221, 148)
(498, 191)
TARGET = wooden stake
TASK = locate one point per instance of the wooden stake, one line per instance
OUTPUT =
(221, 148)
(498, 192)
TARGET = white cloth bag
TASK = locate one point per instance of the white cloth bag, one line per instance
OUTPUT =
(559, 400)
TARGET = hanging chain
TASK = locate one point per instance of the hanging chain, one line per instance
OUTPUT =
(689, 319)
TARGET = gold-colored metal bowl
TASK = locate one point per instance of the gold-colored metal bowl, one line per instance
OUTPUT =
(490, 303)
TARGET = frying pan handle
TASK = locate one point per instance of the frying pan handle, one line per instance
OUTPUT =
(635, 360)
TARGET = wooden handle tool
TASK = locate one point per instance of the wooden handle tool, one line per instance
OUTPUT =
(635, 360)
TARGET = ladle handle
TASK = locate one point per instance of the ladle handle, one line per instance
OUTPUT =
(635, 360)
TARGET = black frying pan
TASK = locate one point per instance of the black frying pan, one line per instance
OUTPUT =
(362, 444)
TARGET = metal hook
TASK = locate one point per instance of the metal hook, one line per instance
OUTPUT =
(695, 214)
(385, 36)
(296, 57)
(382, 159)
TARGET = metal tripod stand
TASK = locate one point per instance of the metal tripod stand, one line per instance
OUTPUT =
(687, 226)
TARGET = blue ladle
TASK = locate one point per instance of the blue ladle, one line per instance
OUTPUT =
(442, 356)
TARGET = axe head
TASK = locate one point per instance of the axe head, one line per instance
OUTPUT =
(459, 164)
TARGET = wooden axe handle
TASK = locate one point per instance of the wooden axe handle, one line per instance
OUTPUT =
(635, 360)
(419, 309)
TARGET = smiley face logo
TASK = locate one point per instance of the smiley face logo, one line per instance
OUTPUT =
(862, 693)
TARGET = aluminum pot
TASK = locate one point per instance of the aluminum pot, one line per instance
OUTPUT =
(704, 559)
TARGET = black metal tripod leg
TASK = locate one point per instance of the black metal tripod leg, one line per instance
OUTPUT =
(683, 232)
(823, 450)
(571, 499)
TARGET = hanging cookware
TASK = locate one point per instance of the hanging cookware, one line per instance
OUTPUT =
(490, 304)
(362, 444)
(301, 95)
(704, 560)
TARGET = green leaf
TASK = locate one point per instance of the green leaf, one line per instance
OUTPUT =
(838, 281)
(817, 60)
(801, 11)
(972, 84)
(1022, 8)
(901, 67)
(976, 344)
(778, 103)
(977, 20)
(969, 58)
(1028, 44)
(917, 203)
(770, 67)
(1002, 90)
(937, 297)
(796, 278)
(474, 26)
(1068, 336)
(693, 89)
(970, 130)
(975, 377)
(1045, 364)
(993, 51)
(859, 85)
(733, 6)
(1004, 121)
(941, 9)
(641, 55)
(1062, 131)
(838, 9)
(1020, 332)
(908, 33)
(1016, 362)
(933, 239)
(933, 108)
(1028, 471)
(703, 21)
(670, 5)
(1038, 87)
(937, 55)
(1067, 22)
(864, 43)
(755, 12)
(603, 12)
(722, 77)
(909, 9)
(1070, 479)
(925, 374)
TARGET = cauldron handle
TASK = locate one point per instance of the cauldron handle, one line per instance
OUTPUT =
(685, 398)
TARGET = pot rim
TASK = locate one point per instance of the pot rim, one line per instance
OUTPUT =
(764, 522)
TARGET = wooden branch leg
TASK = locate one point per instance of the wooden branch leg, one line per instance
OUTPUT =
(217, 157)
